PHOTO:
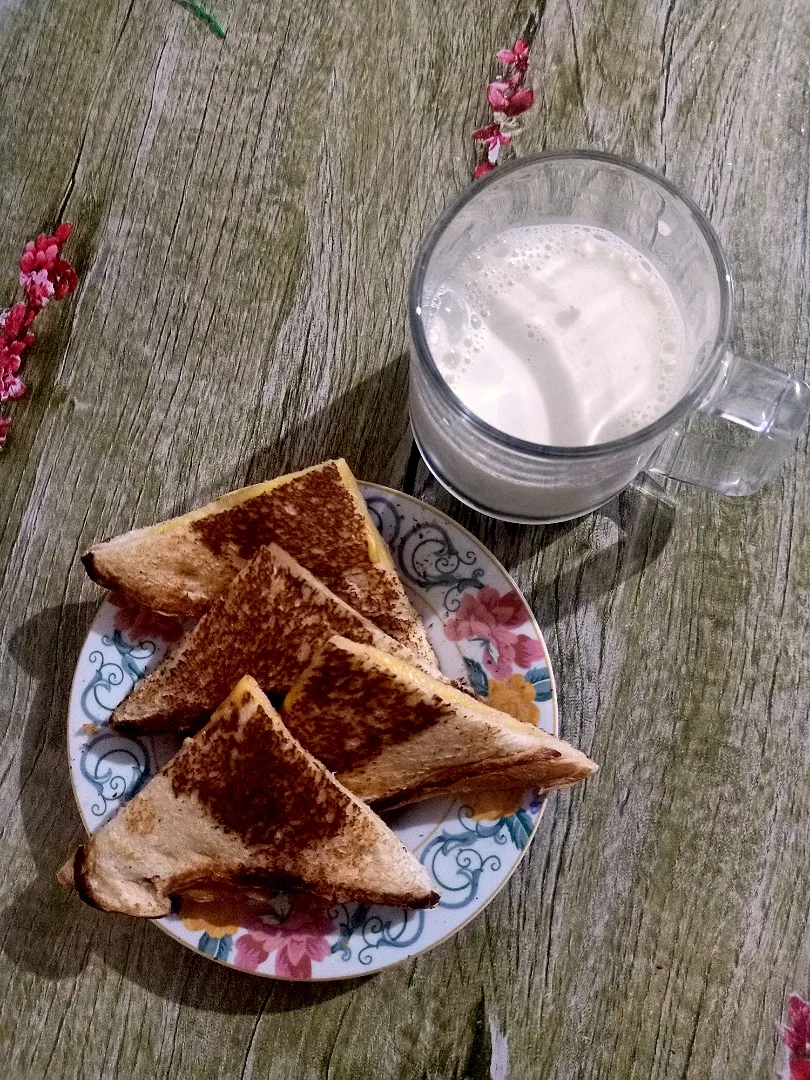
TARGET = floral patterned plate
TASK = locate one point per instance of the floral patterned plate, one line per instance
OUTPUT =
(481, 629)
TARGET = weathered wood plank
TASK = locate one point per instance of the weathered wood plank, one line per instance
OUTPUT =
(246, 216)
(680, 637)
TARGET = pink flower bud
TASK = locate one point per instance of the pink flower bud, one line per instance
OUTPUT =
(496, 96)
(11, 388)
(14, 322)
(482, 169)
(519, 102)
(38, 288)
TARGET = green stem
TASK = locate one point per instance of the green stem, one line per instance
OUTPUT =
(206, 17)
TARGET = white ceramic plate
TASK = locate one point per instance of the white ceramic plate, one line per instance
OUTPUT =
(481, 629)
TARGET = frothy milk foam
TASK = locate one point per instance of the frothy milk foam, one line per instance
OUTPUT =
(559, 334)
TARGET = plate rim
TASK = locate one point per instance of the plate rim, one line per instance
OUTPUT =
(396, 961)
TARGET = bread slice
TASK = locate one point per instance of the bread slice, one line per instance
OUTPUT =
(393, 735)
(318, 515)
(243, 803)
(269, 622)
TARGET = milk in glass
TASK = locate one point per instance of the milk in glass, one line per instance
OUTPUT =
(559, 334)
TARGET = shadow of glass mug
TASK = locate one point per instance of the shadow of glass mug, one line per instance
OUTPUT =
(694, 441)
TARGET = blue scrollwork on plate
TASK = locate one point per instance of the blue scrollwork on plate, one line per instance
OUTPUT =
(457, 861)
(115, 675)
(370, 927)
(426, 555)
(116, 767)
(387, 518)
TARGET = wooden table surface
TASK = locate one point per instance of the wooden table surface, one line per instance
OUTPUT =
(246, 214)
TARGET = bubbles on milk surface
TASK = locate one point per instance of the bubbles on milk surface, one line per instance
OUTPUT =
(559, 334)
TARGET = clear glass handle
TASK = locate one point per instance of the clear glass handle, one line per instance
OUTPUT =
(741, 434)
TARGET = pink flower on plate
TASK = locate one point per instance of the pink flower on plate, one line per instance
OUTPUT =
(297, 942)
(517, 56)
(481, 612)
(39, 254)
(251, 952)
(489, 617)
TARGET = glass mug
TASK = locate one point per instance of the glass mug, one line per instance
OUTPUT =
(516, 480)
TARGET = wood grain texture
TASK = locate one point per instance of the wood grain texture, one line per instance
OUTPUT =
(246, 215)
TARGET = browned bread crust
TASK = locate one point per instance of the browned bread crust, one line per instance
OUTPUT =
(394, 735)
(269, 622)
(243, 804)
(317, 515)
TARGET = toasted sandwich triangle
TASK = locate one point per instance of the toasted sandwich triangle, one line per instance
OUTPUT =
(244, 805)
(267, 623)
(318, 515)
(394, 735)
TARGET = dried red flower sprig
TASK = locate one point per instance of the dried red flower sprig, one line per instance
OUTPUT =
(508, 98)
(44, 276)
(796, 1037)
